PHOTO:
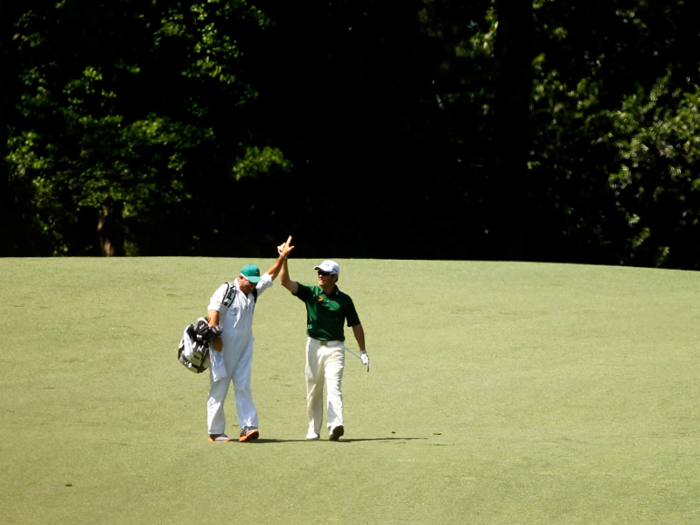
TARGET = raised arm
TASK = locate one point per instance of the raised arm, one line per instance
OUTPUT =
(284, 251)
(277, 265)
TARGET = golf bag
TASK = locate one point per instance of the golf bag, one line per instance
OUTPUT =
(195, 345)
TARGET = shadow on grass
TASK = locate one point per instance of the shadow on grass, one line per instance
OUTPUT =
(378, 439)
(261, 441)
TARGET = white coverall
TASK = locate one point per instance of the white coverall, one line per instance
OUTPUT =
(237, 337)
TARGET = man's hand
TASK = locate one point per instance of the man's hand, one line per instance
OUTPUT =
(364, 358)
(209, 334)
(285, 248)
(283, 251)
(201, 327)
(215, 338)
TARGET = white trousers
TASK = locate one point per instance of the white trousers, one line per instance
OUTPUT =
(238, 362)
(324, 363)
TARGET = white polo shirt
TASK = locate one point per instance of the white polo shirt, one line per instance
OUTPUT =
(237, 321)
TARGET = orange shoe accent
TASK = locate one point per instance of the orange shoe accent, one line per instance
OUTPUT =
(250, 436)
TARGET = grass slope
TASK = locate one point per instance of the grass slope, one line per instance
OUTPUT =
(499, 393)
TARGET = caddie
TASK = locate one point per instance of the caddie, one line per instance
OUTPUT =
(327, 308)
(232, 307)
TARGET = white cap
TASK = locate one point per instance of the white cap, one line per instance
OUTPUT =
(328, 266)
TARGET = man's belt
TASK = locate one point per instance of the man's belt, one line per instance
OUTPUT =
(327, 343)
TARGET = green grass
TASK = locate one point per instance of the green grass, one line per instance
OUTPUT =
(500, 393)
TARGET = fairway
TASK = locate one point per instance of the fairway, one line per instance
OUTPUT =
(500, 393)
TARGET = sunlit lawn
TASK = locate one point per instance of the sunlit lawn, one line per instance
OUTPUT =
(500, 393)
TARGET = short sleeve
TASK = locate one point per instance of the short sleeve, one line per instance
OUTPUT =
(351, 314)
(264, 283)
(216, 301)
(304, 293)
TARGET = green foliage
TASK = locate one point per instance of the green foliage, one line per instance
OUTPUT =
(149, 112)
(208, 50)
(656, 138)
(116, 130)
(102, 158)
(256, 162)
(592, 57)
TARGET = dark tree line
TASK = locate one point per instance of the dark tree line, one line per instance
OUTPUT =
(554, 131)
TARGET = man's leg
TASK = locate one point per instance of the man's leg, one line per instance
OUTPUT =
(314, 385)
(247, 414)
(216, 419)
(335, 363)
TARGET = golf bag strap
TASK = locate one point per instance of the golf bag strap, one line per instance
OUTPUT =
(230, 294)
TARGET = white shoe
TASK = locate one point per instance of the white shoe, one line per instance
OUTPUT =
(219, 438)
(311, 436)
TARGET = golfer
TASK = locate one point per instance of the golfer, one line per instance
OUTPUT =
(232, 307)
(326, 310)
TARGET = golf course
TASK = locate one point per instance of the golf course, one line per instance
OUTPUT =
(499, 393)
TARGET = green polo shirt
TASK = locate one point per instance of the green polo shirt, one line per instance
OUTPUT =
(325, 313)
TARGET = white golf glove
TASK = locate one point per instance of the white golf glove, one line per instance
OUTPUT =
(364, 358)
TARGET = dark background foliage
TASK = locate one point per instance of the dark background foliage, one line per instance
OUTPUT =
(554, 131)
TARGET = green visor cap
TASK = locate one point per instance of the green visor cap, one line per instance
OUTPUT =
(251, 272)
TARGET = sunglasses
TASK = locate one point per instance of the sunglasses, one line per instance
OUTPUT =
(324, 274)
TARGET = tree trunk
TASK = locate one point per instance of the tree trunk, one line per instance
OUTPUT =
(110, 231)
(512, 133)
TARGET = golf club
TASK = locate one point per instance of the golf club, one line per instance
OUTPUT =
(353, 353)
